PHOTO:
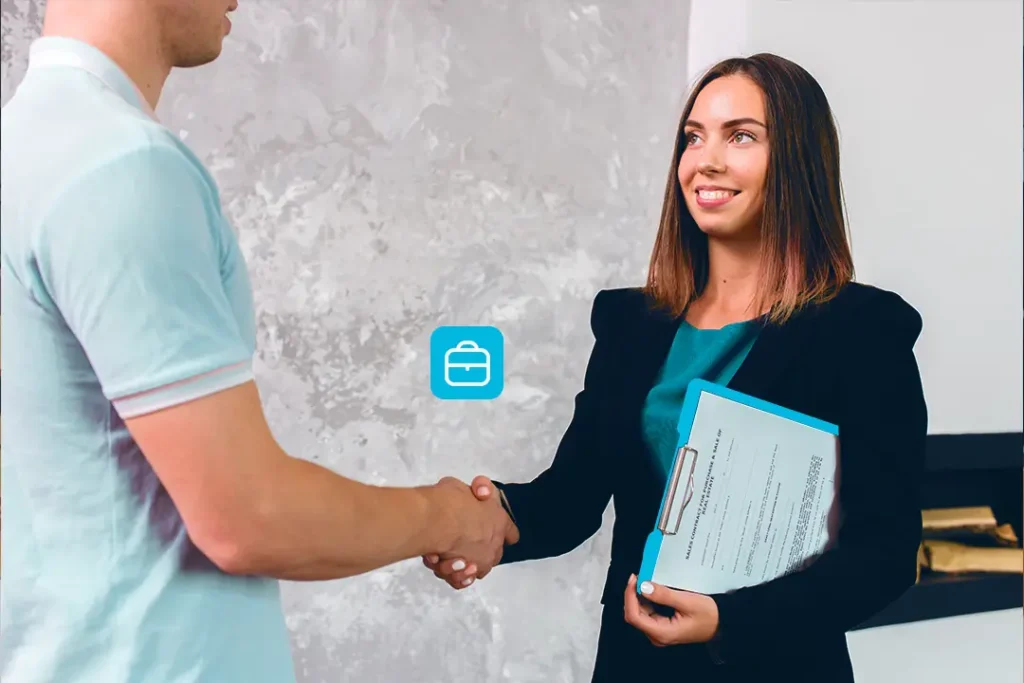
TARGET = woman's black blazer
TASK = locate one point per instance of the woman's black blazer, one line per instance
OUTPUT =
(850, 362)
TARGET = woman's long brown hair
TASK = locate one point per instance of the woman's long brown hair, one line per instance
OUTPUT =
(805, 252)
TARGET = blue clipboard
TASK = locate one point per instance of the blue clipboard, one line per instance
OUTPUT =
(685, 461)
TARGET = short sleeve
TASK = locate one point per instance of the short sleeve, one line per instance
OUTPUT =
(130, 255)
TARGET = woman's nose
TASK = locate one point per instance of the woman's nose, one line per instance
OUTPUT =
(710, 162)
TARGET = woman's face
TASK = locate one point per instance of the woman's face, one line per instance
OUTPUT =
(723, 167)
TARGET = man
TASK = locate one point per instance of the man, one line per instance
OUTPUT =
(147, 509)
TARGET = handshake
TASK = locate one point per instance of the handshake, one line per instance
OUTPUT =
(484, 528)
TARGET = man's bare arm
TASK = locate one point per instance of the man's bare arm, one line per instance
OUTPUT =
(253, 509)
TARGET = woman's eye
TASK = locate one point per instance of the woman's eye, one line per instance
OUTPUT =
(691, 138)
(741, 134)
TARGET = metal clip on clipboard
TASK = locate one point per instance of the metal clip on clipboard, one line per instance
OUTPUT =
(677, 471)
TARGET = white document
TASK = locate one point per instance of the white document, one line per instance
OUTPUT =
(762, 501)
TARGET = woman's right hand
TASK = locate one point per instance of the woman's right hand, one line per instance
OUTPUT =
(454, 570)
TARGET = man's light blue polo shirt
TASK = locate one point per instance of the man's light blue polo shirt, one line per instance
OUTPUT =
(124, 291)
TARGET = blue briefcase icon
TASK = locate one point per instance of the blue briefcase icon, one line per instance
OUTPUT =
(467, 365)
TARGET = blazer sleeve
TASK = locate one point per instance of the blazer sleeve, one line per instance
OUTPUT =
(564, 505)
(882, 433)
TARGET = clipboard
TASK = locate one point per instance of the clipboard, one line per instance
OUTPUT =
(691, 458)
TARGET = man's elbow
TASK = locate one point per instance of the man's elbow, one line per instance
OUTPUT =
(232, 558)
(238, 542)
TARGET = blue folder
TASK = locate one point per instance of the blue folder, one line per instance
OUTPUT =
(684, 462)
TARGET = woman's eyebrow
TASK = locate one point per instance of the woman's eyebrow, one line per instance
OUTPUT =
(732, 123)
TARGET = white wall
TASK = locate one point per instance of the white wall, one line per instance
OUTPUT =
(928, 100)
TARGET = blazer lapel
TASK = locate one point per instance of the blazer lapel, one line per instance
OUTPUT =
(647, 343)
(653, 338)
(773, 351)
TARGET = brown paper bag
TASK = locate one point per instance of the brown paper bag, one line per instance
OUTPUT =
(980, 517)
(953, 558)
(969, 525)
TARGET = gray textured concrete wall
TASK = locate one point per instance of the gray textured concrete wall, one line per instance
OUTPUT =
(394, 166)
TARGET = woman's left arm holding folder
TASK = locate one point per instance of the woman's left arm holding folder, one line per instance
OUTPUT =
(882, 429)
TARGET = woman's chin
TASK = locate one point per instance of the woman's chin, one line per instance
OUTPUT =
(728, 230)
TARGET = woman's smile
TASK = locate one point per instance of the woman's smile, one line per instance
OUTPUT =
(713, 196)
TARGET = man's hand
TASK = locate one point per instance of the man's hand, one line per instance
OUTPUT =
(459, 569)
(695, 619)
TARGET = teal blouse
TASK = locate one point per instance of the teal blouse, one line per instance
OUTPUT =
(713, 355)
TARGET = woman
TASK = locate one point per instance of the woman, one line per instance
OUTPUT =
(750, 285)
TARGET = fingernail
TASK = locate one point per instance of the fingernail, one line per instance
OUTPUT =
(646, 588)
(458, 565)
(467, 582)
(433, 559)
(471, 570)
(483, 491)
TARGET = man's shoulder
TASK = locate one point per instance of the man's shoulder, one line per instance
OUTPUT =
(138, 176)
(153, 155)
(53, 144)
(146, 173)
(143, 146)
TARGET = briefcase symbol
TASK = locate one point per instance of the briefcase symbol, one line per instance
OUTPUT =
(467, 362)
(467, 365)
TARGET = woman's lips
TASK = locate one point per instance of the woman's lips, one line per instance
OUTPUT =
(713, 198)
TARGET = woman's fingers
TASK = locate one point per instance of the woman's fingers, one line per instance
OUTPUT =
(457, 581)
(455, 566)
(454, 571)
